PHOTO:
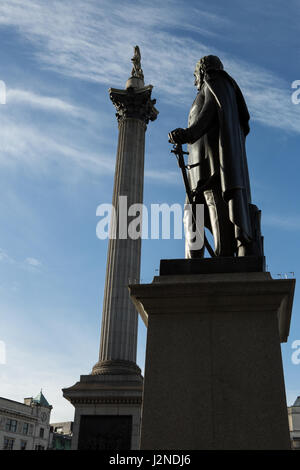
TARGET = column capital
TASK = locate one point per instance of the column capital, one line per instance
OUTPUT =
(134, 103)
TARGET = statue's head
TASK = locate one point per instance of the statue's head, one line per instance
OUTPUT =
(205, 64)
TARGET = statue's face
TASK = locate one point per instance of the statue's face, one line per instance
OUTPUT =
(198, 78)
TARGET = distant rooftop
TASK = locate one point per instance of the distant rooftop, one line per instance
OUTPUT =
(41, 400)
(297, 402)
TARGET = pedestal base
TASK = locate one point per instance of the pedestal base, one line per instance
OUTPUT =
(213, 372)
(107, 411)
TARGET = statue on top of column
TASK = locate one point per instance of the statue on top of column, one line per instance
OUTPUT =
(136, 60)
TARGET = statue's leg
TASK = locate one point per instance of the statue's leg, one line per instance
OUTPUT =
(189, 229)
(255, 247)
(222, 228)
(240, 215)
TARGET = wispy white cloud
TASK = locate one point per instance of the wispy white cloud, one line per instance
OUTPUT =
(4, 257)
(283, 222)
(25, 144)
(170, 177)
(29, 262)
(80, 39)
(48, 103)
(33, 262)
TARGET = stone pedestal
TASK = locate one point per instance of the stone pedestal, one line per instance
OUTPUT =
(213, 372)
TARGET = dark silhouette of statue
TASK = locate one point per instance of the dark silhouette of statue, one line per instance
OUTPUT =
(218, 173)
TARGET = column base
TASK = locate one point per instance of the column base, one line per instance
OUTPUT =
(113, 367)
(107, 411)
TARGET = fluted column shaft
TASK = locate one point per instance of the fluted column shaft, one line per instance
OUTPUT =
(118, 343)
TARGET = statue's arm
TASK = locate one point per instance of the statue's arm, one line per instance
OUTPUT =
(206, 119)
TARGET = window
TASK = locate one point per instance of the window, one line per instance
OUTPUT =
(42, 432)
(8, 443)
(11, 425)
(25, 428)
(39, 447)
(23, 445)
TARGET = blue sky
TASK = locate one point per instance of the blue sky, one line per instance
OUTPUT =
(58, 139)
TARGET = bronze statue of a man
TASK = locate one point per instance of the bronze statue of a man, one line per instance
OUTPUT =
(216, 132)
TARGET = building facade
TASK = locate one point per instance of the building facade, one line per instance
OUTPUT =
(61, 435)
(25, 426)
(294, 423)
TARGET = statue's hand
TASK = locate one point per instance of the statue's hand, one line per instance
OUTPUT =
(177, 136)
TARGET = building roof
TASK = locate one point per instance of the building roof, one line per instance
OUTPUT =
(41, 400)
(16, 408)
(297, 402)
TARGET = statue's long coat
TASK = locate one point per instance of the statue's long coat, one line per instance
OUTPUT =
(217, 127)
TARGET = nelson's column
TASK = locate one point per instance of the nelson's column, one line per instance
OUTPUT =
(108, 401)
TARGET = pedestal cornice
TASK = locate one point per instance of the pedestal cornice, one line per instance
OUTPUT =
(218, 293)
